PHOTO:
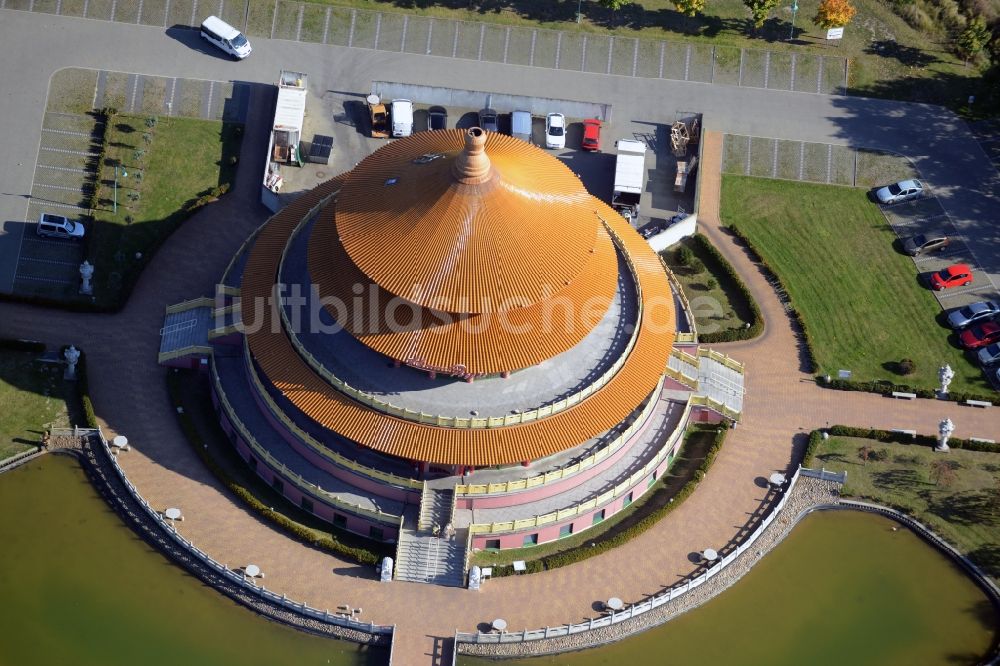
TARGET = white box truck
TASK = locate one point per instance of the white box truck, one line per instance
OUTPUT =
(630, 172)
(401, 111)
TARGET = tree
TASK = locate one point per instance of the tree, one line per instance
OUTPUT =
(973, 39)
(759, 10)
(613, 5)
(942, 472)
(834, 13)
(690, 7)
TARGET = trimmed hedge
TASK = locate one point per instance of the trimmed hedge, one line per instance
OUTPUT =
(299, 531)
(901, 438)
(774, 279)
(13, 344)
(83, 389)
(757, 322)
(815, 439)
(886, 388)
(599, 545)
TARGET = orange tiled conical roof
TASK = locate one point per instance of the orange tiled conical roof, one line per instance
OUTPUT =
(466, 221)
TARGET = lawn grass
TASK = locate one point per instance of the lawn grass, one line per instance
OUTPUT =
(964, 509)
(168, 166)
(33, 397)
(716, 301)
(861, 300)
(697, 441)
(887, 57)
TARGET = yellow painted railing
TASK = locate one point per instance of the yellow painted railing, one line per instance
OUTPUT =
(705, 401)
(685, 338)
(690, 382)
(564, 472)
(286, 473)
(177, 353)
(676, 286)
(223, 330)
(314, 444)
(385, 407)
(201, 302)
(724, 359)
(589, 505)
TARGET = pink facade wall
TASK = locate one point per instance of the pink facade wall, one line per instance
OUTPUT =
(365, 483)
(550, 489)
(580, 523)
(357, 524)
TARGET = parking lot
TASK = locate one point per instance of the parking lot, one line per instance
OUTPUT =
(344, 116)
(66, 166)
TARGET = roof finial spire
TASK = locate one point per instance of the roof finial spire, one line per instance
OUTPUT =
(472, 166)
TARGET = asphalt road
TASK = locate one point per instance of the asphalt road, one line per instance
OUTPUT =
(940, 144)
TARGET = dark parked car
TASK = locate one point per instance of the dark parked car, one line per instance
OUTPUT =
(973, 313)
(980, 335)
(488, 120)
(437, 118)
(989, 355)
(923, 243)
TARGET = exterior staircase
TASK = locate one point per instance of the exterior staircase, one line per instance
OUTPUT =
(424, 556)
(713, 377)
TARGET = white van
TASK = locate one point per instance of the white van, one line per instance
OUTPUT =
(402, 117)
(226, 37)
(57, 226)
(520, 125)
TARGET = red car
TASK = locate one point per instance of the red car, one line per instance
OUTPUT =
(957, 275)
(980, 335)
(591, 134)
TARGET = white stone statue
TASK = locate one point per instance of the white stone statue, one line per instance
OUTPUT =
(86, 273)
(72, 355)
(945, 375)
(475, 577)
(945, 428)
(385, 572)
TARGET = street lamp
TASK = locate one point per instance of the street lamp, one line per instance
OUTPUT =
(579, 7)
(124, 175)
(795, 8)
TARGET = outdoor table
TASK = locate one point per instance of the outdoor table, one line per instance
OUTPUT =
(500, 624)
(252, 570)
(172, 513)
(119, 442)
(710, 555)
(614, 603)
(777, 479)
(519, 566)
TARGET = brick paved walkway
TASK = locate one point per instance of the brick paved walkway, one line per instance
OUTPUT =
(782, 404)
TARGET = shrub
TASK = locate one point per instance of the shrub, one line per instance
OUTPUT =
(907, 367)
(600, 545)
(797, 321)
(16, 344)
(901, 438)
(815, 439)
(323, 542)
(685, 256)
(757, 319)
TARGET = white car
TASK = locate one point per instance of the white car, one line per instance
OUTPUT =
(555, 131)
(904, 190)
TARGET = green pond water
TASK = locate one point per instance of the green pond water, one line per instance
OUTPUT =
(78, 587)
(843, 588)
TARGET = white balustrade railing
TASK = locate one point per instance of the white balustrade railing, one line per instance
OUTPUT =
(656, 601)
(298, 607)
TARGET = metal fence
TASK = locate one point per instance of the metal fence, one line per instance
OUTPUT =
(533, 47)
(652, 603)
(831, 164)
(298, 607)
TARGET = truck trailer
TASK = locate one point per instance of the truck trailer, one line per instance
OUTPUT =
(630, 169)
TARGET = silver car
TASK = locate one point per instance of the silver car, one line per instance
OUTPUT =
(989, 355)
(904, 190)
(973, 313)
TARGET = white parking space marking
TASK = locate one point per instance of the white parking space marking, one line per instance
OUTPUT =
(49, 261)
(82, 170)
